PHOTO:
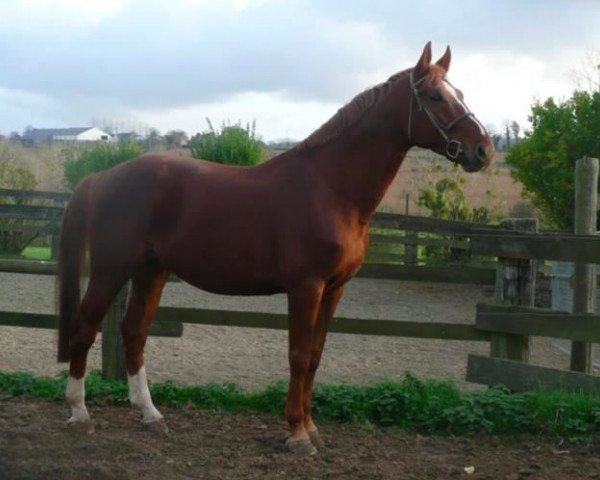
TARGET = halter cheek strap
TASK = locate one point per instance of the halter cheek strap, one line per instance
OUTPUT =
(453, 147)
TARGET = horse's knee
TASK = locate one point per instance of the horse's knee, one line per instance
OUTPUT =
(299, 362)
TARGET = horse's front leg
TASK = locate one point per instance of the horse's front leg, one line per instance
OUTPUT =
(329, 302)
(303, 308)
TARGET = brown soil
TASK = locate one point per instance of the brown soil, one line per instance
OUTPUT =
(36, 443)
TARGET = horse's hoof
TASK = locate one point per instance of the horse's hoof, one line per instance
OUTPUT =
(316, 439)
(300, 447)
(83, 426)
(157, 426)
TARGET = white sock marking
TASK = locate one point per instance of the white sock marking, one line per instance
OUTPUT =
(75, 394)
(139, 396)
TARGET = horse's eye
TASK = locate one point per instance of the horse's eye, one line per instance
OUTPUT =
(436, 97)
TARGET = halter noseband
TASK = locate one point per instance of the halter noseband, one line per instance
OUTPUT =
(442, 129)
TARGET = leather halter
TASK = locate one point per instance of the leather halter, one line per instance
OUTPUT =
(442, 129)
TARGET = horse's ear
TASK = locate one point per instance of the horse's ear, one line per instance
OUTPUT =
(444, 60)
(423, 64)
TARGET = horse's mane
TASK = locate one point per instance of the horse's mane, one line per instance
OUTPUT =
(350, 113)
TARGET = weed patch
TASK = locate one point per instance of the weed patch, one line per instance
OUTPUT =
(430, 407)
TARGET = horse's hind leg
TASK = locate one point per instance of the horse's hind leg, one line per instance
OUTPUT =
(146, 290)
(102, 289)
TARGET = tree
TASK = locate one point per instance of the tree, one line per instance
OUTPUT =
(497, 141)
(515, 128)
(495, 136)
(154, 139)
(588, 76)
(544, 161)
(176, 138)
(507, 135)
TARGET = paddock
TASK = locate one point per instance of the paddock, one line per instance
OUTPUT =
(254, 357)
(239, 446)
(226, 445)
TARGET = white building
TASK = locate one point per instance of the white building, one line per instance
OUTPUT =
(49, 135)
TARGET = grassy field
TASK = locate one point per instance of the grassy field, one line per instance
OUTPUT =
(493, 188)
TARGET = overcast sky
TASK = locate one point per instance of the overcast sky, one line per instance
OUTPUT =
(288, 64)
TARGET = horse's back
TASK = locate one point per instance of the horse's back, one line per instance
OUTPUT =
(186, 213)
(224, 229)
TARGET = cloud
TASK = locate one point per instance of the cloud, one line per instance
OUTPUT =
(278, 115)
(142, 60)
(502, 86)
(36, 14)
(107, 58)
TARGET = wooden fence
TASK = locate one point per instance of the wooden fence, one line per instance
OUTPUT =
(507, 327)
(33, 212)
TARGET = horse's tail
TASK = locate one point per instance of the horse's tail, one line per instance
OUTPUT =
(73, 243)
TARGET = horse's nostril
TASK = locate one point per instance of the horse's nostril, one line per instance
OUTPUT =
(481, 152)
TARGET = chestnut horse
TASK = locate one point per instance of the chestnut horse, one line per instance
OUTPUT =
(297, 224)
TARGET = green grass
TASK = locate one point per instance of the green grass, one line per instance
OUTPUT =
(430, 407)
(36, 253)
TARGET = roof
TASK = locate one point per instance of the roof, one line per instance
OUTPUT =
(41, 134)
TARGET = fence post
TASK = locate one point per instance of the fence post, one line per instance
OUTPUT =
(54, 245)
(515, 285)
(113, 354)
(411, 248)
(55, 235)
(584, 280)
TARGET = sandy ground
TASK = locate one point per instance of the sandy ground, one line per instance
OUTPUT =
(208, 445)
(254, 358)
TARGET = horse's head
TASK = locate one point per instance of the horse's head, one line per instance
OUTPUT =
(439, 119)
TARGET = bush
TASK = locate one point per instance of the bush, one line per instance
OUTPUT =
(446, 200)
(232, 145)
(524, 209)
(14, 177)
(544, 162)
(102, 156)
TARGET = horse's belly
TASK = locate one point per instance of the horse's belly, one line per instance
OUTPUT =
(226, 273)
(227, 285)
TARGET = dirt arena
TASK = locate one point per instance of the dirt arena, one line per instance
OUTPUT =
(36, 443)
(254, 358)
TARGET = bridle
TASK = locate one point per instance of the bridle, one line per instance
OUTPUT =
(443, 129)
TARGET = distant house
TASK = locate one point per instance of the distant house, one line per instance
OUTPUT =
(49, 135)
(127, 137)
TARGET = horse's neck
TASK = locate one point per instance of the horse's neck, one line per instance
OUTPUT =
(359, 166)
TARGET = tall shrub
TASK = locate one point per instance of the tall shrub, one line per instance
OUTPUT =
(544, 162)
(231, 145)
(102, 156)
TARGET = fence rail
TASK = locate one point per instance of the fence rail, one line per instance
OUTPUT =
(158, 328)
(506, 327)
